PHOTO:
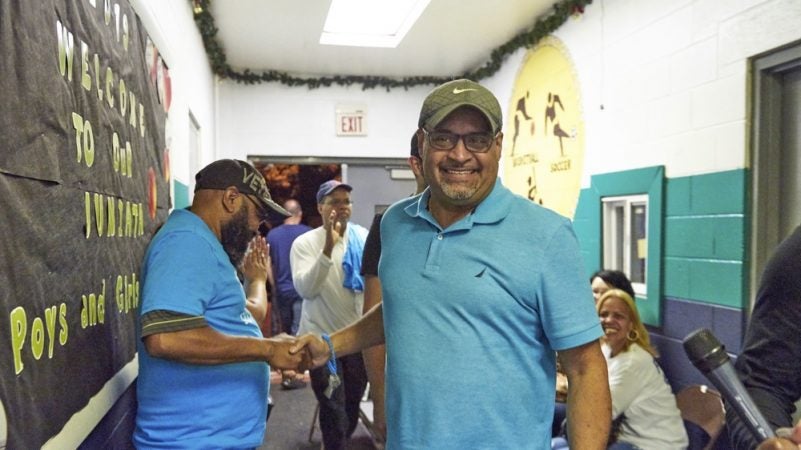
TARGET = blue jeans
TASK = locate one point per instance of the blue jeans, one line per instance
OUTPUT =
(559, 416)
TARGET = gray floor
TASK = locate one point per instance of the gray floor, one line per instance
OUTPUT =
(290, 421)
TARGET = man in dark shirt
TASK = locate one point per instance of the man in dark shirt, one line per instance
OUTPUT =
(287, 300)
(770, 363)
(374, 358)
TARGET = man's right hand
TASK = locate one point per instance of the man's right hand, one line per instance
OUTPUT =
(778, 444)
(333, 233)
(314, 347)
(790, 439)
(280, 356)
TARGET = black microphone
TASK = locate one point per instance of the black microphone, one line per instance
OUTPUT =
(709, 356)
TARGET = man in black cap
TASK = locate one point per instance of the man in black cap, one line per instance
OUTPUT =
(326, 265)
(203, 363)
(478, 281)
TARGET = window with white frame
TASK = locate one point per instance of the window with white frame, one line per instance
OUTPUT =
(625, 238)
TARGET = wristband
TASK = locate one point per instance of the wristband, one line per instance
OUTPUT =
(332, 356)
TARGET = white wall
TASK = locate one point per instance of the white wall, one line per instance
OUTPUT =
(671, 77)
(172, 28)
(272, 119)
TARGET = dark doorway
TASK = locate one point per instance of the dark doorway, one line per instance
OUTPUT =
(298, 181)
(377, 182)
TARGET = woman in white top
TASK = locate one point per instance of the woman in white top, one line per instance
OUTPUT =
(642, 403)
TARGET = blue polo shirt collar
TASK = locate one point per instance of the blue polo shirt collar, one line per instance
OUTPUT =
(493, 209)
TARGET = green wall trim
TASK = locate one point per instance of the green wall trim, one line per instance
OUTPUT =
(587, 224)
(709, 237)
(627, 182)
(647, 180)
(704, 281)
(706, 238)
(181, 194)
(706, 231)
(714, 193)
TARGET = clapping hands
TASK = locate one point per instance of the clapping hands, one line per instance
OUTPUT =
(256, 263)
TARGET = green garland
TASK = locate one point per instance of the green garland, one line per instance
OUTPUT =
(219, 65)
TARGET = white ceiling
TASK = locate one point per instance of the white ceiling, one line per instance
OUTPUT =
(450, 38)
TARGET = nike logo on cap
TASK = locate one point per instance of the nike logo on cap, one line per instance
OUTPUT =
(459, 91)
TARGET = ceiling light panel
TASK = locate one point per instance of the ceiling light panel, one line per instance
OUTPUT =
(370, 23)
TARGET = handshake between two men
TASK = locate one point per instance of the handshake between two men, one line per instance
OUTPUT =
(301, 353)
(311, 350)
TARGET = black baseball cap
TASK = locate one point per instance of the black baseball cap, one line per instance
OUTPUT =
(225, 173)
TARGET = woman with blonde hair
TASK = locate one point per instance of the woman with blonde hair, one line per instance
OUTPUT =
(643, 406)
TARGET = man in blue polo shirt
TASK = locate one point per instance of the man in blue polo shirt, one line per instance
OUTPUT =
(478, 281)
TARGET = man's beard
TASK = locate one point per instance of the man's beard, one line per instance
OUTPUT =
(458, 191)
(235, 236)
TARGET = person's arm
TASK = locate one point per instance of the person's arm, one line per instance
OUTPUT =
(256, 268)
(588, 401)
(561, 386)
(309, 267)
(375, 358)
(175, 297)
(364, 333)
(207, 346)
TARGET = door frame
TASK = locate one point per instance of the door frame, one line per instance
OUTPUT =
(765, 156)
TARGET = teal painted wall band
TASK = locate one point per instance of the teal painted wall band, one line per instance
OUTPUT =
(181, 194)
(703, 255)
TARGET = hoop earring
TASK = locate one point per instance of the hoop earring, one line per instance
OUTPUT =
(634, 337)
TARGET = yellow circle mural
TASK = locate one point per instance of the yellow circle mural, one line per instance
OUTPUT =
(544, 138)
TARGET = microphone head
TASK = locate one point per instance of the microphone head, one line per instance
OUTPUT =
(704, 350)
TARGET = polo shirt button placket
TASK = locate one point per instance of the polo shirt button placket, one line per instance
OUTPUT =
(440, 237)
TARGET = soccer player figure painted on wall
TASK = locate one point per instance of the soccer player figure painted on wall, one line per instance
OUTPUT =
(478, 280)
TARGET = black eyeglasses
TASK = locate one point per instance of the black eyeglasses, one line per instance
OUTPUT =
(474, 142)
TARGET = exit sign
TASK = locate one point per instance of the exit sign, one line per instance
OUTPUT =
(351, 121)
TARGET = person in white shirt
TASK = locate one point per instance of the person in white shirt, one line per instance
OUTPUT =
(326, 265)
(644, 411)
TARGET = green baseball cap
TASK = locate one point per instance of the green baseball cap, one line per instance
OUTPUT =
(446, 98)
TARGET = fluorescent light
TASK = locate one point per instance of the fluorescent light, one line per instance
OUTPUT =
(370, 23)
